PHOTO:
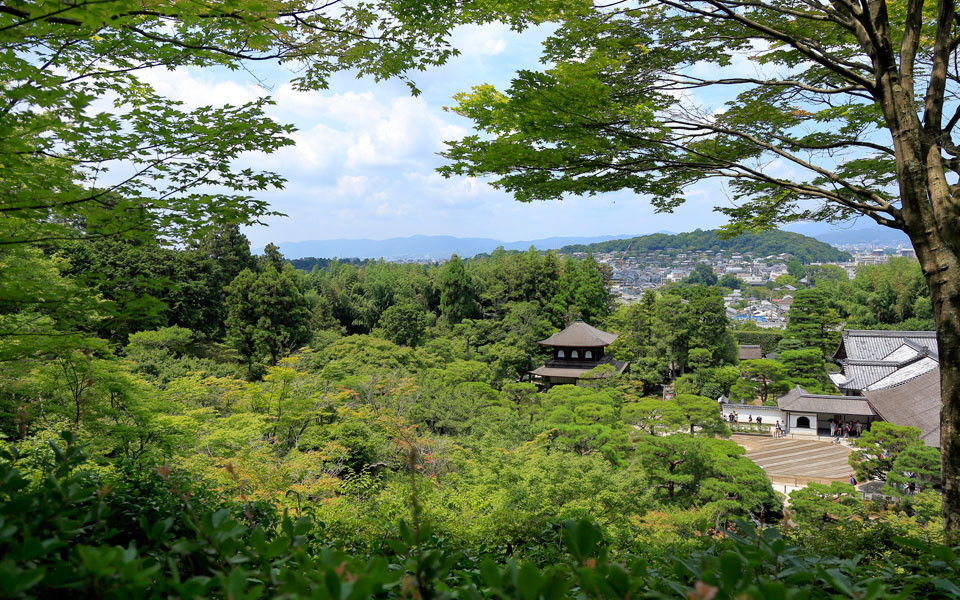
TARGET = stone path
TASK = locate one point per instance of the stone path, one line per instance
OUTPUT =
(796, 461)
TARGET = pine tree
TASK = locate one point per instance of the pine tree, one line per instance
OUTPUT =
(812, 322)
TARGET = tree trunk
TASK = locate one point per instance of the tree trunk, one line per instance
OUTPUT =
(930, 215)
(941, 268)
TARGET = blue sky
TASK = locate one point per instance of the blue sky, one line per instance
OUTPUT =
(365, 156)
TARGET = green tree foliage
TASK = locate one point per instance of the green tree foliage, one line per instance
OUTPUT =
(456, 291)
(523, 396)
(765, 338)
(702, 415)
(267, 314)
(825, 274)
(169, 353)
(761, 378)
(656, 335)
(705, 472)
(764, 243)
(706, 316)
(404, 324)
(584, 421)
(711, 382)
(796, 269)
(807, 369)
(817, 505)
(41, 310)
(729, 280)
(813, 322)
(182, 179)
(702, 274)
(655, 416)
(916, 467)
(878, 448)
(886, 296)
(699, 358)
(146, 284)
(598, 103)
(170, 536)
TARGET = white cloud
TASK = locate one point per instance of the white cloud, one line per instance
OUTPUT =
(455, 191)
(182, 84)
(480, 40)
(389, 209)
(351, 185)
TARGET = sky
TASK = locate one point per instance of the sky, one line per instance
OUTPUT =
(364, 164)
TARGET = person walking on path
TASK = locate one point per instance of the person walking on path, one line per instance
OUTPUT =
(853, 480)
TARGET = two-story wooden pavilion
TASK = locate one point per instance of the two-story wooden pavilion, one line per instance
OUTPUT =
(577, 349)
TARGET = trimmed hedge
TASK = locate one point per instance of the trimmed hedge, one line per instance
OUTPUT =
(766, 339)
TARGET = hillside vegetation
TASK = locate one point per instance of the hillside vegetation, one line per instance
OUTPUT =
(210, 423)
(805, 249)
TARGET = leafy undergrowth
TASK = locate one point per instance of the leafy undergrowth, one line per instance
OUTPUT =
(68, 531)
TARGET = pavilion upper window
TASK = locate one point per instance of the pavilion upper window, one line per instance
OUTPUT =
(574, 354)
(588, 354)
(560, 354)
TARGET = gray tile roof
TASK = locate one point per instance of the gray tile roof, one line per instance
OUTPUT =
(860, 344)
(877, 359)
(580, 335)
(799, 400)
(915, 402)
(750, 352)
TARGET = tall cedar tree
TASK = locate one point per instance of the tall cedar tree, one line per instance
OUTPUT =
(457, 300)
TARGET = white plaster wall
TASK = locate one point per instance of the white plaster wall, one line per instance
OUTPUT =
(770, 414)
(813, 421)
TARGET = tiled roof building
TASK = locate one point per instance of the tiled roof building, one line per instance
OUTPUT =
(915, 402)
(892, 376)
(576, 350)
(874, 360)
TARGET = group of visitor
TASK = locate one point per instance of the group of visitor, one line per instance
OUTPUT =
(778, 430)
(734, 419)
(844, 429)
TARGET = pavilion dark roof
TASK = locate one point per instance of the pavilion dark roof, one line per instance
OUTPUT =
(580, 335)
(800, 400)
(915, 403)
(576, 369)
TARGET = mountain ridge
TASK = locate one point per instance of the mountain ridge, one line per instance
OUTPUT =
(805, 248)
(441, 247)
(438, 247)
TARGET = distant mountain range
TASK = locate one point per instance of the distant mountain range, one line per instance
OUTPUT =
(878, 236)
(809, 247)
(416, 247)
(861, 231)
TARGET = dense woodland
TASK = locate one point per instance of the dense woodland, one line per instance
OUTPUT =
(210, 408)
(182, 419)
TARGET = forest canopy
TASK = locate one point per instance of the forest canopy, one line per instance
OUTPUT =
(766, 243)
